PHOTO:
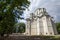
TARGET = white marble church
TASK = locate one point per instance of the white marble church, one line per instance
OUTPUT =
(40, 23)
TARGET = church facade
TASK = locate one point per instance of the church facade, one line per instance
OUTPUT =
(40, 23)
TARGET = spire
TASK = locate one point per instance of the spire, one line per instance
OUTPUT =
(42, 10)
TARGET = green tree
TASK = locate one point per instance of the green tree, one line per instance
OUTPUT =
(10, 11)
(21, 27)
(58, 27)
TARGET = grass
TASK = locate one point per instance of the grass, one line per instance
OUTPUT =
(31, 38)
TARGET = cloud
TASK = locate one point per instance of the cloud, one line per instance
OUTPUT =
(21, 20)
(52, 7)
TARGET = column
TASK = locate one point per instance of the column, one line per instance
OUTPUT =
(38, 27)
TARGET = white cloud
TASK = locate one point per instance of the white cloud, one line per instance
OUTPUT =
(52, 6)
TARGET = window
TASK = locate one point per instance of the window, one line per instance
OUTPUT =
(46, 33)
(50, 33)
(41, 33)
(27, 33)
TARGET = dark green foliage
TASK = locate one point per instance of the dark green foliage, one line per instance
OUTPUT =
(21, 27)
(6, 23)
(10, 10)
(58, 27)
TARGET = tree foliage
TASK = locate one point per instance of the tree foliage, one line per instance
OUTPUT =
(19, 28)
(10, 11)
(58, 27)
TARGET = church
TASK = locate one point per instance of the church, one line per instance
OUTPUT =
(40, 23)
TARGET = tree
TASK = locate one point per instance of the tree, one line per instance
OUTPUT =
(58, 27)
(19, 28)
(10, 11)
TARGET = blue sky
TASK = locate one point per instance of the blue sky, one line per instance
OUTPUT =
(52, 7)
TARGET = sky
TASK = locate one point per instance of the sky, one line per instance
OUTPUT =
(52, 7)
